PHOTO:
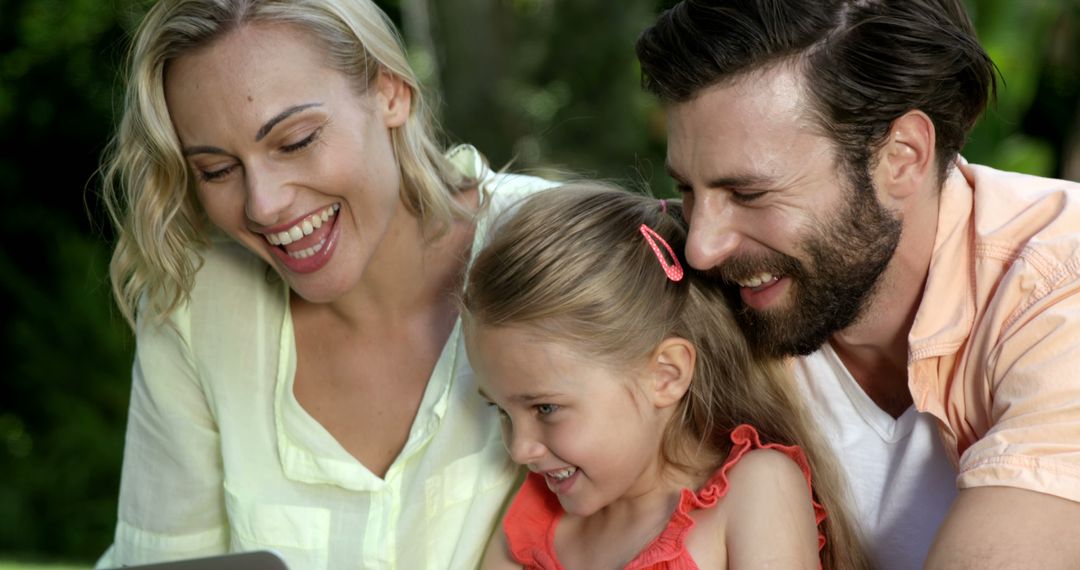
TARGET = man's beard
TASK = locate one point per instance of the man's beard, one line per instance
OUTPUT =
(846, 260)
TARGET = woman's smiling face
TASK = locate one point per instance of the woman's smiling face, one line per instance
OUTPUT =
(290, 158)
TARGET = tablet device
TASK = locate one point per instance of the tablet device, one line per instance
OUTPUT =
(257, 560)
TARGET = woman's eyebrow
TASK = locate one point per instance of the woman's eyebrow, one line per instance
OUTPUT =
(265, 129)
(192, 150)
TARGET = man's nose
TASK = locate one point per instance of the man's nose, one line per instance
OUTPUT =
(713, 236)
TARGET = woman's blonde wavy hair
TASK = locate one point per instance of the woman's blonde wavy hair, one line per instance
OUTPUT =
(572, 265)
(147, 185)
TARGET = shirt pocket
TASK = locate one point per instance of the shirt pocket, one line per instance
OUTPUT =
(300, 534)
(463, 503)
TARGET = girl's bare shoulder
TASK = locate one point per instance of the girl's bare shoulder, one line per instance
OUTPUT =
(765, 515)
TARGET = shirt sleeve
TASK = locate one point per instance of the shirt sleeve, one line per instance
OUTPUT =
(1034, 374)
(171, 492)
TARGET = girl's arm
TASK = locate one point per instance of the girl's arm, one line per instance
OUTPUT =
(770, 515)
(497, 555)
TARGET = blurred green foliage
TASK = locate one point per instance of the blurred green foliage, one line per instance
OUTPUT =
(540, 83)
(560, 85)
(41, 566)
(65, 388)
(1033, 127)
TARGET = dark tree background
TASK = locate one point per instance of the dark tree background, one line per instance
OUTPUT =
(547, 84)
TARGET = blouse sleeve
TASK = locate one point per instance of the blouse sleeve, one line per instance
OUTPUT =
(171, 493)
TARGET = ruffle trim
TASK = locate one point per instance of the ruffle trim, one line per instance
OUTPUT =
(671, 541)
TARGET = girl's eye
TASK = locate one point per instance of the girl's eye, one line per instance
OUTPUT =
(546, 409)
(302, 143)
(212, 175)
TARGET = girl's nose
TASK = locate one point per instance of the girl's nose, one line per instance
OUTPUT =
(523, 448)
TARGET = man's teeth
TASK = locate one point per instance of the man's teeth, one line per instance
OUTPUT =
(757, 280)
(304, 228)
(562, 474)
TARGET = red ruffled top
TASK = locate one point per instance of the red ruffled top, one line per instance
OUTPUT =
(531, 519)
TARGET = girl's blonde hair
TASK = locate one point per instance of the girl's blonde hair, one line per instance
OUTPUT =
(148, 188)
(572, 264)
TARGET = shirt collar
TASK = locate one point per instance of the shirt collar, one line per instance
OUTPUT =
(947, 310)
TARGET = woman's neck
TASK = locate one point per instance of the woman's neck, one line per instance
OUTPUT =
(408, 275)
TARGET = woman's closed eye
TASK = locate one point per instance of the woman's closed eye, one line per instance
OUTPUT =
(215, 174)
(302, 143)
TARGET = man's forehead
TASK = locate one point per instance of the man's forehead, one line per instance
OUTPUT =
(728, 128)
(774, 91)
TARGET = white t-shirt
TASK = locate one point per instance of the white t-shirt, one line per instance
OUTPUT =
(900, 476)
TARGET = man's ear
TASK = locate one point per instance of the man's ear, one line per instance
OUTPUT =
(907, 161)
(393, 98)
(671, 368)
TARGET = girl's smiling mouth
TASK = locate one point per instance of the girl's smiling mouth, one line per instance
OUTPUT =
(560, 480)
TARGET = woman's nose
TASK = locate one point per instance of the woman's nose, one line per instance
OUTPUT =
(268, 196)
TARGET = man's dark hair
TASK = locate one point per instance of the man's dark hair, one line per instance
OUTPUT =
(864, 63)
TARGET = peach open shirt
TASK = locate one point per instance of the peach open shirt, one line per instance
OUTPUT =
(995, 346)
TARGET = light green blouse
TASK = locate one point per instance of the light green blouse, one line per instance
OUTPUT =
(219, 455)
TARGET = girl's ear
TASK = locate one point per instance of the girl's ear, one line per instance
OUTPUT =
(671, 368)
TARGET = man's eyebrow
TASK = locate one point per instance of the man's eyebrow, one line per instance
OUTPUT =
(740, 181)
(265, 129)
(732, 181)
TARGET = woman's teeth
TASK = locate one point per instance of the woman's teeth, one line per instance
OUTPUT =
(307, 252)
(303, 228)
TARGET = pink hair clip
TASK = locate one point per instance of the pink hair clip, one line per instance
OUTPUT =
(663, 206)
(673, 270)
